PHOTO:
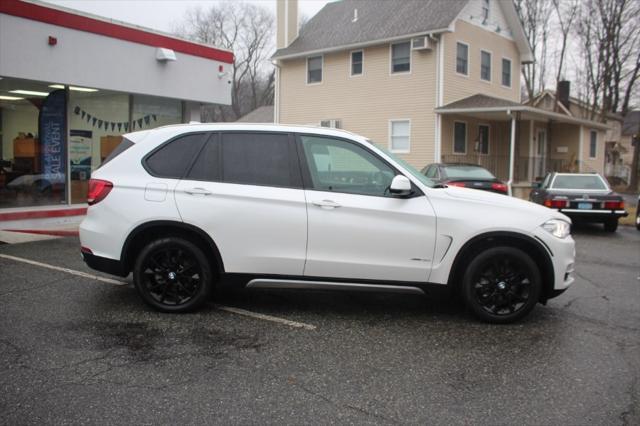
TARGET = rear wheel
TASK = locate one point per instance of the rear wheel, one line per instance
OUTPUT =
(611, 225)
(502, 285)
(173, 275)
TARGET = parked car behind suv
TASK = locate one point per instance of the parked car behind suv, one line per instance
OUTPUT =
(187, 207)
(584, 197)
(466, 176)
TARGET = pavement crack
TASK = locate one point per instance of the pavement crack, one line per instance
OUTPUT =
(349, 406)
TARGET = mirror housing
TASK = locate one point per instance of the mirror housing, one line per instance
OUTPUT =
(400, 186)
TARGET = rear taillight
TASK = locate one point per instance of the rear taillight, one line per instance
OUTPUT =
(499, 187)
(614, 205)
(556, 204)
(98, 190)
(460, 184)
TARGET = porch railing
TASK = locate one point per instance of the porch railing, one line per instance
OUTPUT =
(525, 169)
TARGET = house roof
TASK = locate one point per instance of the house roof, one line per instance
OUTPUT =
(481, 101)
(263, 114)
(377, 20)
(631, 125)
(496, 107)
(382, 21)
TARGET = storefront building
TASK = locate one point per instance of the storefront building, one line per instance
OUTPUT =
(71, 85)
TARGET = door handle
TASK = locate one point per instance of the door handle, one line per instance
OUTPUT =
(197, 191)
(326, 204)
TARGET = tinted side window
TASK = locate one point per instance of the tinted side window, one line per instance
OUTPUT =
(207, 165)
(256, 159)
(172, 159)
(431, 173)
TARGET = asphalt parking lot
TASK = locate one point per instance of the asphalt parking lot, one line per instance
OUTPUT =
(74, 349)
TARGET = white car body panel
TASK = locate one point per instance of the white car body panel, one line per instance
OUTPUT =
(263, 230)
(368, 237)
(257, 229)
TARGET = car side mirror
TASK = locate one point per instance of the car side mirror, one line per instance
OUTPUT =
(400, 186)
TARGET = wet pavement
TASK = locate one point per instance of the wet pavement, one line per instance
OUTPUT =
(77, 350)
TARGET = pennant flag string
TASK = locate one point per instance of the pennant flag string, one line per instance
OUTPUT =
(107, 124)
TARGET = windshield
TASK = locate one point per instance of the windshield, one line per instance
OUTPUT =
(408, 167)
(467, 172)
(581, 182)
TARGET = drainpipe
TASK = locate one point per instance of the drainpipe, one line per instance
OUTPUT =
(512, 151)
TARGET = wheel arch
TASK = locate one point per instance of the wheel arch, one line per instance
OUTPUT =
(148, 231)
(539, 252)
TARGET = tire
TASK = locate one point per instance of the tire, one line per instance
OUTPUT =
(173, 275)
(501, 285)
(611, 225)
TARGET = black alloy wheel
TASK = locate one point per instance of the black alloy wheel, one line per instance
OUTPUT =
(173, 275)
(502, 285)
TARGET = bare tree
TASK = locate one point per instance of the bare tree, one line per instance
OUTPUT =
(610, 46)
(535, 16)
(247, 30)
(566, 13)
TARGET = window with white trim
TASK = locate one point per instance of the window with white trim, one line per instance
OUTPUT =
(357, 62)
(506, 72)
(459, 137)
(462, 58)
(400, 136)
(314, 69)
(485, 65)
(593, 144)
(401, 57)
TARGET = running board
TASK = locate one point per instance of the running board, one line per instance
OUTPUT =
(325, 285)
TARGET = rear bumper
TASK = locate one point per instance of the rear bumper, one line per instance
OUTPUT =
(103, 264)
(594, 215)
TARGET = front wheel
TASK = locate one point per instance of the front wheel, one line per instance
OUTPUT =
(502, 285)
(173, 275)
(611, 225)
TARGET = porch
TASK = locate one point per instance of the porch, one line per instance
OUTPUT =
(519, 144)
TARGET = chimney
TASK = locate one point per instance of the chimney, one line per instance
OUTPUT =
(286, 22)
(562, 92)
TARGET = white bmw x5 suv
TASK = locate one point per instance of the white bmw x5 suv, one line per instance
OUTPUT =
(187, 207)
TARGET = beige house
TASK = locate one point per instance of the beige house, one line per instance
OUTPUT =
(432, 80)
(618, 146)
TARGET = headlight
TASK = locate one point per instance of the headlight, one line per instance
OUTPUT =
(557, 227)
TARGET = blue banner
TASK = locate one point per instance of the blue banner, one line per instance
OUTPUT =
(53, 135)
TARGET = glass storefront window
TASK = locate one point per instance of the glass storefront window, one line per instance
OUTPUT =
(34, 171)
(27, 177)
(97, 121)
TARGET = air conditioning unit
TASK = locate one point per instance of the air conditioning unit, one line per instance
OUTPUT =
(421, 43)
(330, 123)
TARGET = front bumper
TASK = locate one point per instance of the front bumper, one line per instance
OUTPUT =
(563, 257)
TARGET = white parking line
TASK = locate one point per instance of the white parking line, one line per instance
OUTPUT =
(119, 283)
(266, 317)
(67, 270)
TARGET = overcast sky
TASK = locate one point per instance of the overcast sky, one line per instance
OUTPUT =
(163, 15)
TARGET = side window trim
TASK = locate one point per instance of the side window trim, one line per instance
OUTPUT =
(306, 173)
(167, 142)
